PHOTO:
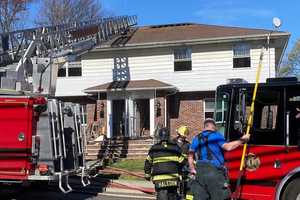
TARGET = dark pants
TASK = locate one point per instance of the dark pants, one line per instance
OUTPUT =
(210, 183)
(168, 193)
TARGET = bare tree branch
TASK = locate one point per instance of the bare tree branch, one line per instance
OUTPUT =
(54, 12)
(11, 12)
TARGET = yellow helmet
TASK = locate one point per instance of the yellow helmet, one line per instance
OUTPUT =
(183, 131)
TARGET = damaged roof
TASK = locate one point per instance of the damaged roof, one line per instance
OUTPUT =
(183, 32)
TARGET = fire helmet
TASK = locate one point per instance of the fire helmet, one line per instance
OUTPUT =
(164, 134)
(183, 131)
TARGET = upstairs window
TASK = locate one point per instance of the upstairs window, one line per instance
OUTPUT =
(70, 69)
(74, 69)
(241, 56)
(182, 59)
(62, 71)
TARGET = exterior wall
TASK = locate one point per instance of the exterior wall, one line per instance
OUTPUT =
(212, 65)
(90, 109)
(102, 120)
(160, 112)
(187, 109)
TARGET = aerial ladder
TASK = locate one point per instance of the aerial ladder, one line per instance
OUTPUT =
(29, 58)
(29, 63)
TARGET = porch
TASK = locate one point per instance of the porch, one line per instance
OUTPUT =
(130, 109)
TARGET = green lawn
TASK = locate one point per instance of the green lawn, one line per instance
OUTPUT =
(134, 165)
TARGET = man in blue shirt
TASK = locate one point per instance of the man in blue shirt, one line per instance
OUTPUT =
(207, 148)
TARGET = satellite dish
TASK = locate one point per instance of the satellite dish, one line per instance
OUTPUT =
(276, 22)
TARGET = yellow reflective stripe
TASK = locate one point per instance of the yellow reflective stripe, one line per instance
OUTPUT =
(149, 158)
(165, 177)
(181, 159)
(166, 159)
(189, 197)
(147, 175)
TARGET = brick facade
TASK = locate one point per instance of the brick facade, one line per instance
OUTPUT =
(160, 112)
(182, 109)
(90, 109)
(187, 109)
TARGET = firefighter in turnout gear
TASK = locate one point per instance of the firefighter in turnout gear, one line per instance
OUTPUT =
(164, 166)
(184, 144)
(181, 141)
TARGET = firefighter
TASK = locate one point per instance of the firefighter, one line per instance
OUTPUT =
(211, 180)
(184, 144)
(163, 166)
(181, 141)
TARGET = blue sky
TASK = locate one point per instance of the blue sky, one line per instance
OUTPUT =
(251, 13)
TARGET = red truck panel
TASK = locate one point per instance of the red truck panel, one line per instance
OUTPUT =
(16, 119)
(260, 184)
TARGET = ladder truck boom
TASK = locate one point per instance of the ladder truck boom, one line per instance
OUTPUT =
(30, 50)
(43, 138)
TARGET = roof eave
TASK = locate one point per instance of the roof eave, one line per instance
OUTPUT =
(193, 42)
(130, 89)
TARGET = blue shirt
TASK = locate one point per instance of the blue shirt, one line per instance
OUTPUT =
(215, 142)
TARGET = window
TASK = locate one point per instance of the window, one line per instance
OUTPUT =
(74, 69)
(209, 108)
(268, 117)
(241, 56)
(70, 69)
(62, 72)
(183, 59)
(221, 111)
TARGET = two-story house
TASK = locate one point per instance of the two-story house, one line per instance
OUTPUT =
(166, 75)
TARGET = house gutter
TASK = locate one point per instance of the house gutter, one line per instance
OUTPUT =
(190, 42)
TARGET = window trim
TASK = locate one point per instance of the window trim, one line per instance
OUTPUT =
(237, 57)
(183, 60)
(66, 66)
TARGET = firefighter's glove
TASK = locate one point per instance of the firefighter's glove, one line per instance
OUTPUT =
(148, 177)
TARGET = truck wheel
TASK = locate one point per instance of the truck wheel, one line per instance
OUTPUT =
(292, 191)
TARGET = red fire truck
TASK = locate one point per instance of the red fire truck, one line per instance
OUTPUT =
(272, 165)
(43, 138)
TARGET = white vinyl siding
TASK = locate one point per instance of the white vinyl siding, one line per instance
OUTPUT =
(212, 66)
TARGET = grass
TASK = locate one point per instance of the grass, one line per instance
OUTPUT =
(133, 165)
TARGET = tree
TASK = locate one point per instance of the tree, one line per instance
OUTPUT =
(54, 12)
(291, 65)
(11, 12)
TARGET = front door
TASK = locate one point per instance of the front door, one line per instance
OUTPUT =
(118, 110)
(141, 118)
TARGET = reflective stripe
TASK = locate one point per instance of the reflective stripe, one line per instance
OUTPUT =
(147, 175)
(166, 159)
(189, 197)
(181, 159)
(165, 177)
(149, 159)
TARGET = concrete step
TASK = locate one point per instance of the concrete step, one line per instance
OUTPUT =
(123, 151)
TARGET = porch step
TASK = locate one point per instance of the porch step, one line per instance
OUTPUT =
(135, 148)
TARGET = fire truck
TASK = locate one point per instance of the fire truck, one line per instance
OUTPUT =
(272, 164)
(42, 137)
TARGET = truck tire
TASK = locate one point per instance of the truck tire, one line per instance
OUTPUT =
(292, 191)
